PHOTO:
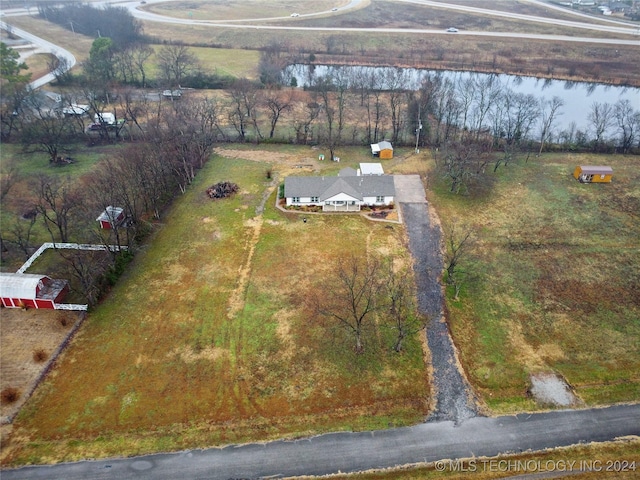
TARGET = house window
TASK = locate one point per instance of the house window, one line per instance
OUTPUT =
(379, 199)
(314, 199)
(295, 199)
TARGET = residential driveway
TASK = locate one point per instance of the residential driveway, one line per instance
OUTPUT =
(455, 400)
(409, 189)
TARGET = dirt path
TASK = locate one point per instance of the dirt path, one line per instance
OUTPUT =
(454, 398)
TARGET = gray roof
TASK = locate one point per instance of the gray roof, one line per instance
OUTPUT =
(348, 172)
(596, 169)
(327, 187)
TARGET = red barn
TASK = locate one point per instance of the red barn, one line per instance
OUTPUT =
(23, 290)
(111, 217)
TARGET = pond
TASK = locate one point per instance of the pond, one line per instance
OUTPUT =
(577, 97)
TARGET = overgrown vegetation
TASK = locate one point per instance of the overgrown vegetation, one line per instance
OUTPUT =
(40, 355)
(9, 395)
(551, 283)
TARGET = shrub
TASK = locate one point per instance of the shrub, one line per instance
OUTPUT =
(40, 355)
(117, 269)
(9, 395)
(62, 319)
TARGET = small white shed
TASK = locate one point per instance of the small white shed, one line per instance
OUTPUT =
(371, 169)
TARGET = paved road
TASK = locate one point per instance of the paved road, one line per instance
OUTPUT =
(46, 46)
(349, 452)
(629, 29)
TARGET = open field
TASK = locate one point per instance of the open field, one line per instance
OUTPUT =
(531, 57)
(209, 338)
(553, 283)
(23, 333)
(549, 59)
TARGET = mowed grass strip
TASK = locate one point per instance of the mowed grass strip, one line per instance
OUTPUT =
(209, 338)
(553, 284)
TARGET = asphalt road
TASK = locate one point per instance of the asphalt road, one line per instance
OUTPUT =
(46, 46)
(349, 452)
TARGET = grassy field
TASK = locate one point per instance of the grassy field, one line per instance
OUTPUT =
(219, 10)
(23, 194)
(209, 339)
(553, 283)
(548, 59)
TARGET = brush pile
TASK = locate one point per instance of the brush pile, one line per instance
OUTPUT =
(222, 190)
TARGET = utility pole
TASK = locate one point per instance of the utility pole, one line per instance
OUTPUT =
(419, 127)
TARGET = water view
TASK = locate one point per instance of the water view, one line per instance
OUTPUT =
(577, 97)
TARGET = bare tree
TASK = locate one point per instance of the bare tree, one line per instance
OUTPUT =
(9, 176)
(57, 202)
(277, 102)
(302, 123)
(446, 114)
(549, 111)
(332, 91)
(513, 117)
(21, 230)
(628, 122)
(351, 296)
(463, 163)
(399, 301)
(175, 62)
(59, 67)
(244, 108)
(459, 242)
(396, 80)
(486, 91)
(46, 130)
(601, 118)
(371, 96)
(88, 267)
(139, 55)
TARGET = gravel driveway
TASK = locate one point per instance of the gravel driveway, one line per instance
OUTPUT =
(454, 398)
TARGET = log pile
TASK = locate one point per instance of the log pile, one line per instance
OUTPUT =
(222, 190)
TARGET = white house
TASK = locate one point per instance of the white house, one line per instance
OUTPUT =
(342, 193)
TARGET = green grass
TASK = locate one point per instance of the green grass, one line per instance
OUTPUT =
(23, 195)
(552, 284)
(209, 338)
(33, 164)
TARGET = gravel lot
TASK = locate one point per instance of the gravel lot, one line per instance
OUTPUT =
(455, 400)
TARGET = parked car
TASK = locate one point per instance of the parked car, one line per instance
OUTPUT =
(295, 14)
(452, 30)
(172, 93)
